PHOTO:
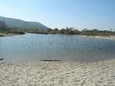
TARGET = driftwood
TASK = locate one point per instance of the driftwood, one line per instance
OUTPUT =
(50, 60)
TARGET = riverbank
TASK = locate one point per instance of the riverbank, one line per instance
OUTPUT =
(11, 34)
(100, 37)
(5, 34)
(58, 74)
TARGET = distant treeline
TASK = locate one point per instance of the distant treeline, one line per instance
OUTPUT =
(69, 31)
(72, 31)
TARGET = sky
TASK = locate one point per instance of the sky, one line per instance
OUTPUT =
(80, 14)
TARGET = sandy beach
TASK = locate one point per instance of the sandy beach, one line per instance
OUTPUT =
(100, 37)
(58, 74)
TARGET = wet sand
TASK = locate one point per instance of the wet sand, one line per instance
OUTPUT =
(58, 73)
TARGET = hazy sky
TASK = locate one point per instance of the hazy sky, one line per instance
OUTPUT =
(80, 14)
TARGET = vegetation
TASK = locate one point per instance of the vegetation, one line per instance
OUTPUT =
(3, 26)
(96, 32)
(4, 29)
(73, 31)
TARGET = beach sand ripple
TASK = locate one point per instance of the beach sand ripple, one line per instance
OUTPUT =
(58, 74)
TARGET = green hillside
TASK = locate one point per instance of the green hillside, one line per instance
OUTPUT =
(11, 22)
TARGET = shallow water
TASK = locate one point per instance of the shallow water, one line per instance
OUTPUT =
(36, 47)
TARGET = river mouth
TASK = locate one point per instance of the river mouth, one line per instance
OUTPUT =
(37, 47)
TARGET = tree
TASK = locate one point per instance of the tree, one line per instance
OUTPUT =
(56, 29)
(62, 31)
(85, 30)
(3, 26)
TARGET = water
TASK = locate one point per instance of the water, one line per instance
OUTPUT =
(36, 47)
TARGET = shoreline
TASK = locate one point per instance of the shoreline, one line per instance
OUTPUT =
(100, 37)
(42, 73)
(4, 34)
(112, 37)
(10, 34)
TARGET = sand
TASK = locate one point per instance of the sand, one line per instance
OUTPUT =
(101, 37)
(58, 74)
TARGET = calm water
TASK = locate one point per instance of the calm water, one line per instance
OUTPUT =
(36, 47)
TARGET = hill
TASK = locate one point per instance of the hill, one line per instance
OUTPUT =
(11, 22)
